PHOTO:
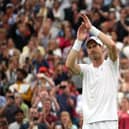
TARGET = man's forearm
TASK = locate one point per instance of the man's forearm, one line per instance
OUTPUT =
(72, 57)
(103, 37)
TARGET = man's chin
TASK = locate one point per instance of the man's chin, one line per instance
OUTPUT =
(94, 57)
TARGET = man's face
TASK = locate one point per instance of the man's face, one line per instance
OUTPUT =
(47, 105)
(20, 76)
(34, 113)
(94, 50)
(19, 117)
(9, 99)
(3, 123)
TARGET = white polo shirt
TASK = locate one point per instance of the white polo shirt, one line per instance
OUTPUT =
(99, 94)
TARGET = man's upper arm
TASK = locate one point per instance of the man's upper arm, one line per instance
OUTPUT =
(76, 69)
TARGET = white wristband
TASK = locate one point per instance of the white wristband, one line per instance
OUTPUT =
(77, 45)
(94, 31)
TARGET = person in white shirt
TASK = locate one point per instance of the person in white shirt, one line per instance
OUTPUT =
(100, 78)
(19, 116)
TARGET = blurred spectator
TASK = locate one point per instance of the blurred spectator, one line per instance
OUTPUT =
(21, 87)
(72, 14)
(65, 38)
(21, 32)
(22, 105)
(39, 61)
(121, 33)
(12, 50)
(44, 80)
(125, 82)
(3, 122)
(98, 6)
(9, 11)
(28, 53)
(3, 33)
(66, 101)
(124, 114)
(11, 71)
(60, 74)
(10, 108)
(57, 11)
(4, 21)
(46, 115)
(49, 3)
(44, 11)
(34, 121)
(73, 88)
(53, 51)
(19, 115)
(44, 33)
(3, 78)
(39, 95)
(4, 57)
(67, 121)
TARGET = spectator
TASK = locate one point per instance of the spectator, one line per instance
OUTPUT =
(20, 86)
(67, 121)
(121, 24)
(125, 82)
(66, 101)
(39, 61)
(19, 115)
(11, 71)
(33, 121)
(46, 115)
(22, 105)
(10, 108)
(3, 123)
(123, 114)
(60, 74)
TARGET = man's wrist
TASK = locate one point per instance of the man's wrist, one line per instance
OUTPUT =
(77, 45)
(94, 31)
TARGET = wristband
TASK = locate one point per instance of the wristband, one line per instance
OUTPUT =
(94, 31)
(77, 45)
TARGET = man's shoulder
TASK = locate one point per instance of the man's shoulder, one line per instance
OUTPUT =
(110, 61)
(42, 126)
(13, 125)
(24, 125)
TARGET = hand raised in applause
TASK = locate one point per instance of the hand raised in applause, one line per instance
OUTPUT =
(82, 32)
(86, 21)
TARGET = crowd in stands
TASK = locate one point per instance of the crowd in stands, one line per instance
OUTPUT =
(37, 91)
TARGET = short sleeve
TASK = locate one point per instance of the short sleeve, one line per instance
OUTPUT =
(84, 68)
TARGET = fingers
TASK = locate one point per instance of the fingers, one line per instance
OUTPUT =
(86, 21)
(82, 26)
(84, 17)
